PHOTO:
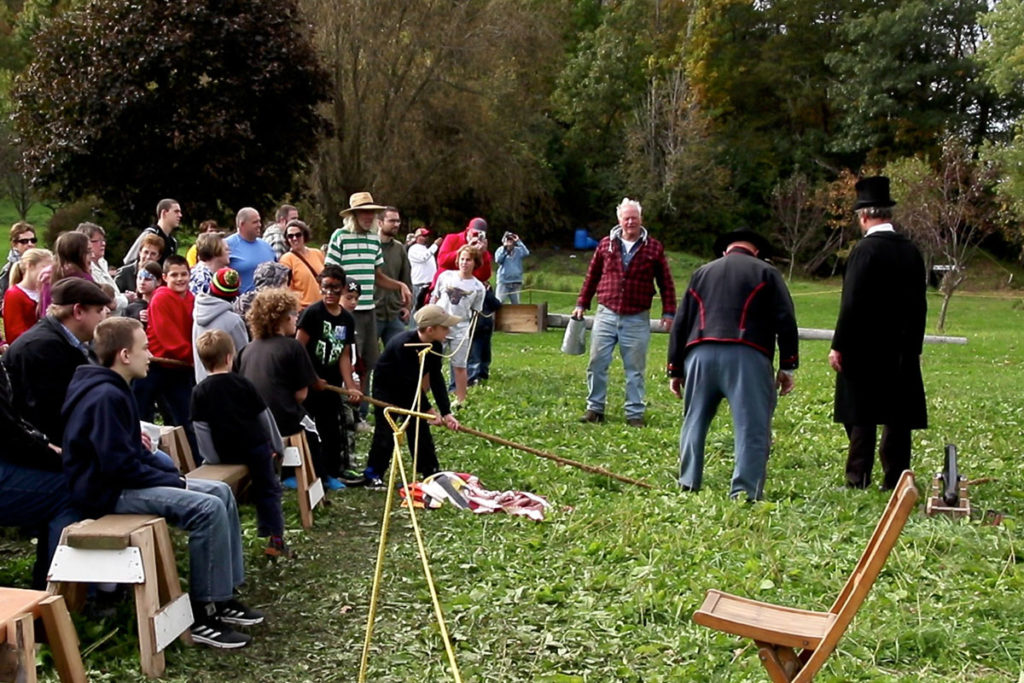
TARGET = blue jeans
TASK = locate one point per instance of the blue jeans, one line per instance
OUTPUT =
(39, 500)
(509, 289)
(171, 387)
(207, 511)
(386, 329)
(478, 366)
(632, 333)
(744, 377)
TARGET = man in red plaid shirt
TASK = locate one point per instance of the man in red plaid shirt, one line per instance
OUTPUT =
(626, 266)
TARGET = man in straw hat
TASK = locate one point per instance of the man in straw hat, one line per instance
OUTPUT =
(356, 248)
(876, 348)
(736, 309)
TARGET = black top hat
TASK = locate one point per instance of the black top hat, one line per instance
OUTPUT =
(743, 235)
(873, 191)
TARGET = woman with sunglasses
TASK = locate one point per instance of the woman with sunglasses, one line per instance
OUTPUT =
(306, 263)
(23, 238)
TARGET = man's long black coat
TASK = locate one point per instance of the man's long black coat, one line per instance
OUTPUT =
(879, 334)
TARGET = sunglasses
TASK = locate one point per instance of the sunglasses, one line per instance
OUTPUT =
(330, 289)
(28, 240)
(294, 235)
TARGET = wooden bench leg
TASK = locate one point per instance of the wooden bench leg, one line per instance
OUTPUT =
(63, 639)
(20, 657)
(74, 593)
(147, 603)
(306, 479)
(167, 570)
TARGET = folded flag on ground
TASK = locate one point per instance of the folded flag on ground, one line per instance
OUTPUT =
(465, 492)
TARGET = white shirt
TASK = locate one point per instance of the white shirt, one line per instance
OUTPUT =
(101, 276)
(422, 264)
(881, 227)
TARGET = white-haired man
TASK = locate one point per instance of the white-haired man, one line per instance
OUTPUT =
(626, 266)
(247, 249)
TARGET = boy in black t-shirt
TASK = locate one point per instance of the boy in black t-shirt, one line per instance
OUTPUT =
(328, 333)
(397, 379)
(233, 425)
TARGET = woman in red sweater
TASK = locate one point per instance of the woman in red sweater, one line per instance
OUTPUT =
(21, 300)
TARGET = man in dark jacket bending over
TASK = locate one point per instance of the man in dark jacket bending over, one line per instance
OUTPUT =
(109, 470)
(721, 346)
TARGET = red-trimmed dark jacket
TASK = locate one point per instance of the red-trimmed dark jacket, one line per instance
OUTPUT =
(630, 290)
(737, 299)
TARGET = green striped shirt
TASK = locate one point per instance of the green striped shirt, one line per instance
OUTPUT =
(360, 256)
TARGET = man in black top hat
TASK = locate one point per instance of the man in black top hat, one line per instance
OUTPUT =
(876, 349)
(736, 309)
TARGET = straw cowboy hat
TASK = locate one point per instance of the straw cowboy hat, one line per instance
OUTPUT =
(361, 201)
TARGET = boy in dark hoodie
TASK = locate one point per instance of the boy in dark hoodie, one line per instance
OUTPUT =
(110, 471)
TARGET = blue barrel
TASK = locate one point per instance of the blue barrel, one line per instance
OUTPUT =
(583, 240)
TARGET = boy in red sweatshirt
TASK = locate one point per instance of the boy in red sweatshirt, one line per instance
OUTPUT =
(171, 375)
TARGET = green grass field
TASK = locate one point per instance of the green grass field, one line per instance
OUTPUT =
(604, 588)
(38, 216)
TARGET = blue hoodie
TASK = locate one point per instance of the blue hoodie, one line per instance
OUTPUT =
(510, 263)
(102, 449)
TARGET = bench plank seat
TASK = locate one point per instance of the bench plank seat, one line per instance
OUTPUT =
(110, 532)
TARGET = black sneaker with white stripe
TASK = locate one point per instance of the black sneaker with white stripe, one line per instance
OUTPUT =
(235, 613)
(208, 630)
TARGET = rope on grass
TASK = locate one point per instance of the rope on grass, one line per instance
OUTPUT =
(593, 469)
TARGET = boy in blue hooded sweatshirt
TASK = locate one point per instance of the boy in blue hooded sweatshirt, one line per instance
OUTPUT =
(110, 471)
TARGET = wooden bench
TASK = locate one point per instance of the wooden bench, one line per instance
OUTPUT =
(19, 609)
(778, 630)
(174, 442)
(310, 487)
(134, 549)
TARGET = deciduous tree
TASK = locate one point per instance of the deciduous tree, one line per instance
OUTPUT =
(798, 211)
(438, 106)
(947, 208)
(211, 102)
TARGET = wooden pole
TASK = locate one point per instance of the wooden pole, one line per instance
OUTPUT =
(560, 320)
(170, 362)
(593, 469)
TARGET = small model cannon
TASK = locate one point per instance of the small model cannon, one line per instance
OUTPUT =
(949, 489)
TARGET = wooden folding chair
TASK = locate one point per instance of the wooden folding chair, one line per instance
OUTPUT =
(311, 488)
(19, 608)
(778, 630)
